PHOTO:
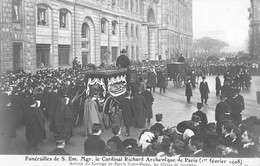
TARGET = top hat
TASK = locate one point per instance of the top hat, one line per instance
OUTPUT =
(199, 105)
(123, 51)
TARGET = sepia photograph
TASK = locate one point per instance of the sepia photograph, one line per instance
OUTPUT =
(130, 82)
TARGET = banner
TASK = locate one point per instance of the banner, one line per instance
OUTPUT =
(33, 160)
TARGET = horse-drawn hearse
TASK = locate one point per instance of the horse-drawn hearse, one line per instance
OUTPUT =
(109, 86)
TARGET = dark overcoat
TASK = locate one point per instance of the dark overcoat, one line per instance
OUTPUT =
(140, 110)
(157, 128)
(119, 143)
(151, 80)
(161, 80)
(204, 90)
(220, 110)
(123, 61)
(149, 102)
(94, 145)
(203, 117)
(128, 108)
(235, 107)
(188, 89)
(218, 83)
(35, 125)
(19, 106)
(64, 120)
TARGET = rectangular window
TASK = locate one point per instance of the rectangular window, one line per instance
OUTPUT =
(63, 19)
(126, 4)
(103, 50)
(43, 55)
(114, 53)
(16, 10)
(17, 56)
(42, 15)
(64, 55)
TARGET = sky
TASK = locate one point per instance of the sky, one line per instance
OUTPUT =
(226, 20)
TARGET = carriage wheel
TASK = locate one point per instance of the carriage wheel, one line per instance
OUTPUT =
(109, 112)
(179, 80)
(174, 80)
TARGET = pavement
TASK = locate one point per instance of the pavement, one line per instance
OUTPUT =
(172, 104)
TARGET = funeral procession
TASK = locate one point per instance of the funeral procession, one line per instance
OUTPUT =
(128, 78)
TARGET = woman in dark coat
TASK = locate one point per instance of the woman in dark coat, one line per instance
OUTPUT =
(140, 109)
(7, 122)
(188, 90)
(35, 125)
(148, 96)
(64, 119)
(128, 108)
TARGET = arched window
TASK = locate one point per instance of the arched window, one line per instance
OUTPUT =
(85, 30)
(42, 15)
(114, 27)
(103, 25)
(63, 18)
(16, 10)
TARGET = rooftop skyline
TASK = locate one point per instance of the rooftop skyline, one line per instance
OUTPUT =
(226, 20)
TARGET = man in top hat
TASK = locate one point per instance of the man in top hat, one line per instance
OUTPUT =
(158, 126)
(218, 85)
(75, 63)
(94, 145)
(202, 115)
(123, 61)
(60, 144)
(204, 90)
(116, 130)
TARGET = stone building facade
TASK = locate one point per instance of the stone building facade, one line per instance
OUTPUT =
(36, 34)
(175, 28)
(254, 30)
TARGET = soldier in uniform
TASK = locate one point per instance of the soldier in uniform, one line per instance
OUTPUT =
(221, 108)
(60, 145)
(202, 115)
(116, 130)
(94, 145)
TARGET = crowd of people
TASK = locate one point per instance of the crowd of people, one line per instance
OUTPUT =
(48, 97)
(195, 137)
